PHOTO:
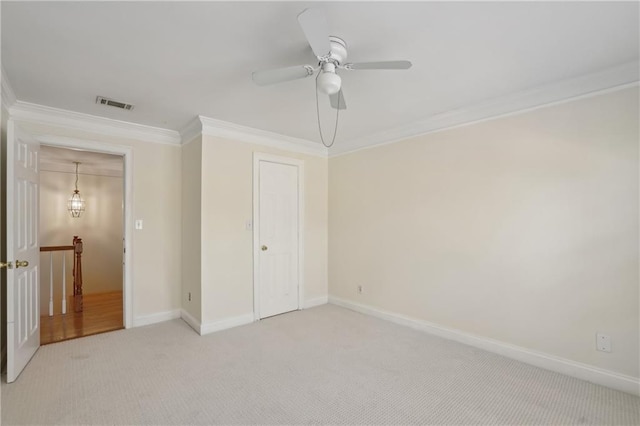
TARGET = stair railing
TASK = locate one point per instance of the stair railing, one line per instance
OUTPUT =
(76, 249)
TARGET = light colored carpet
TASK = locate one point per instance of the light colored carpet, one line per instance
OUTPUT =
(326, 365)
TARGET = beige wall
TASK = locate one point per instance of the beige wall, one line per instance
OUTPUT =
(156, 188)
(100, 227)
(227, 251)
(191, 227)
(522, 229)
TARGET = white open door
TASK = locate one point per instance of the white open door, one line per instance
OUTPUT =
(23, 250)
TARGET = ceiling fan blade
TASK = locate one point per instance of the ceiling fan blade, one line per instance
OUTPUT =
(337, 101)
(278, 75)
(314, 26)
(384, 65)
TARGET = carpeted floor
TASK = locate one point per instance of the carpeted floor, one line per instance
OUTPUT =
(325, 365)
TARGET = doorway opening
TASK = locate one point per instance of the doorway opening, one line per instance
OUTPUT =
(81, 255)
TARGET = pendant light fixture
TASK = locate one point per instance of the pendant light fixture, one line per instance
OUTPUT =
(75, 205)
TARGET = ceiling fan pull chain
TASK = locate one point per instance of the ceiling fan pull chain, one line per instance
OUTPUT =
(335, 130)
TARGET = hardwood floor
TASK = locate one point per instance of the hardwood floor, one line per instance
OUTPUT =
(102, 313)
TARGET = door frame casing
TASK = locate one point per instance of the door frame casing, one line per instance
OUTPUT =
(127, 153)
(257, 158)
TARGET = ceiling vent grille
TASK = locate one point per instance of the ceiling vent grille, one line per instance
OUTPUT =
(110, 102)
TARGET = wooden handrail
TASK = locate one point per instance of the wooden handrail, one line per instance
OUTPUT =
(57, 248)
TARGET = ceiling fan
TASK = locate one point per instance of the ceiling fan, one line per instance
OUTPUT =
(331, 53)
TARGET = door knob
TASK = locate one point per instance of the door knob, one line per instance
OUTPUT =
(264, 248)
(7, 265)
(21, 264)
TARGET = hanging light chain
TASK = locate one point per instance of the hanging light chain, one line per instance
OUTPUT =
(335, 130)
(77, 176)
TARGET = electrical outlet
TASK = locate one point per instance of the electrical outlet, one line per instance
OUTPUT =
(359, 289)
(603, 342)
(189, 296)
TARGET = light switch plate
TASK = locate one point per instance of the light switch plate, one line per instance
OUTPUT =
(138, 223)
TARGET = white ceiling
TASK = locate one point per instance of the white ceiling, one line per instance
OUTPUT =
(176, 60)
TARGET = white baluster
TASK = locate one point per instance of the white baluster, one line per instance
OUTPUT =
(50, 283)
(64, 283)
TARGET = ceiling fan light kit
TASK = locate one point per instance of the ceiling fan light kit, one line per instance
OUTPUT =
(331, 53)
(328, 81)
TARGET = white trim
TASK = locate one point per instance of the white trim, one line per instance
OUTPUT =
(257, 158)
(301, 231)
(8, 95)
(256, 237)
(550, 362)
(612, 79)
(226, 130)
(191, 131)
(316, 301)
(25, 111)
(127, 153)
(190, 319)
(156, 318)
(212, 327)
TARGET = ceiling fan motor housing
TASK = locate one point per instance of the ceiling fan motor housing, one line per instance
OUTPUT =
(338, 52)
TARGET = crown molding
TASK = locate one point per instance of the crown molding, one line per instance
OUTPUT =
(191, 131)
(616, 78)
(8, 96)
(226, 130)
(611, 79)
(25, 111)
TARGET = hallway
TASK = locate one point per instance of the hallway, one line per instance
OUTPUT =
(102, 313)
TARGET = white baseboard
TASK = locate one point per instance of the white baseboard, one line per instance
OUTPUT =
(316, 301)
(211, 327)
(565, 366)
(155, 318)
(189, 319)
